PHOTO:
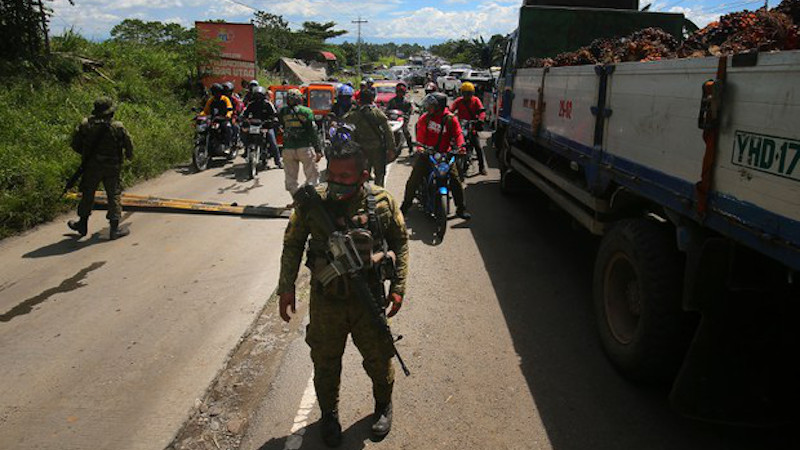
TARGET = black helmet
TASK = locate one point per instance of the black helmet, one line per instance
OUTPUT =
(436, 99)
(367, 96)
(216, 89)
(259, 92)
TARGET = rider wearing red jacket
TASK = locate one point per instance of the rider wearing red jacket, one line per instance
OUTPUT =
(431, 132)
(470, 107)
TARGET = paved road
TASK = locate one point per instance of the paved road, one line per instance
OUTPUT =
(500, 339)
(115, 341)
(107, 344)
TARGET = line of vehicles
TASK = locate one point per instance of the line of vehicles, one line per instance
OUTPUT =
(252, 135)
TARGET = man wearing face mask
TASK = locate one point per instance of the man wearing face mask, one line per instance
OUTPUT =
(357, 209)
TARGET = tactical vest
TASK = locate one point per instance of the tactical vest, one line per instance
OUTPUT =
(370, 241)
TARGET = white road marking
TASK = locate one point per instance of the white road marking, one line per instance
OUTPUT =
(295, 441)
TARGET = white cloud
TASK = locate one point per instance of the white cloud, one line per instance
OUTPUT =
(700, 18)
(486, 19)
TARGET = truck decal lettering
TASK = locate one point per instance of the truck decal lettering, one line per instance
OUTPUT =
(769, 154)
(741, 141)
(754, 152)
(565, 109)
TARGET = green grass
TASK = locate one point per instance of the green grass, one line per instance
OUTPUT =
(40, 109)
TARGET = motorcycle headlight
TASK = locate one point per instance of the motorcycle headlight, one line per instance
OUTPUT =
(443, 168)
(438, 156)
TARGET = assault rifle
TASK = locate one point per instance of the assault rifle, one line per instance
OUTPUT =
(347, 262)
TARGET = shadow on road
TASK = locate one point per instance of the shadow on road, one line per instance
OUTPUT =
(541, 270)
(354, 438)
(67, 245)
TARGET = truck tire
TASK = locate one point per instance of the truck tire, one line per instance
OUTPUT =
(511, 183)
(638, 283)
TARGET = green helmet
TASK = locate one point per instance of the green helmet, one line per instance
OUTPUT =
(294, 97)
(103, 106)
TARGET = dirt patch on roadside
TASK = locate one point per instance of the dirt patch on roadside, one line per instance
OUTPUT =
(220, 419)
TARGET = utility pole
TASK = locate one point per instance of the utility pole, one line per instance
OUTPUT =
(359, 22)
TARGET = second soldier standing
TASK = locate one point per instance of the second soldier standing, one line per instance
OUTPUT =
(103, 144)
(373, 134)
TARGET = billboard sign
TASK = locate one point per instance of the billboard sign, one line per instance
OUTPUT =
(238, 52)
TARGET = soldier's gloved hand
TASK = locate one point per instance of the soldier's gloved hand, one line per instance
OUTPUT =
(286, 301)
(396, 303)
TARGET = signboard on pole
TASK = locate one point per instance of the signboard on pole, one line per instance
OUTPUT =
(238, 52)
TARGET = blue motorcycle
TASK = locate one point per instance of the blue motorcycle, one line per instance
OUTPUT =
(434, 193)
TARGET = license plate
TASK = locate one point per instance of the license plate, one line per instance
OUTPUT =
(769, 154)
(255, 130)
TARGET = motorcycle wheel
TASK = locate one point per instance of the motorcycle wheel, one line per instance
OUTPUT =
(200, 157)
(441, 217)
(252, 162)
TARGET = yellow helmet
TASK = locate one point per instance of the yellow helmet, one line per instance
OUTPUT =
(467, 87)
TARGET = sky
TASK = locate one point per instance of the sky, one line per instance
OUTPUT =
(424, 22)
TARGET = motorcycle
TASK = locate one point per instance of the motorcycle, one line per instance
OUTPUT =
(254, 134)
(465, 162)
(396, 121)
(434, 193)
(209, 142)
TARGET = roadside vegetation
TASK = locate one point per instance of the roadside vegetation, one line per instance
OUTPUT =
(151, 77)
(148, 68)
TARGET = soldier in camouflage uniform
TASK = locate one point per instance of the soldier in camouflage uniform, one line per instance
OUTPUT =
(373, 133)
(335, 311)
(103, 144)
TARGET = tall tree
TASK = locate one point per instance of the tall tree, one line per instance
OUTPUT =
(322, 31)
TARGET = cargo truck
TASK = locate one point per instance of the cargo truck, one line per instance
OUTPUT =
(689, 171)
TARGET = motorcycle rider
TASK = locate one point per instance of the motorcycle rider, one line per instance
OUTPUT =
(300, 141)
(373, 134)
(344, 100)
(470, 107)
(262, 109)
(430, 85)
(248, 91)
(220, 106)
(400, 103)
(238, 107)
(440, 129)
(361, 87)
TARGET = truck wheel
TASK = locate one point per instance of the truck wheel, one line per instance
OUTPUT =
(511, 183)
(638, 282)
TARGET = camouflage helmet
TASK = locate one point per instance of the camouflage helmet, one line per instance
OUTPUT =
(103, 106)
(294, 97)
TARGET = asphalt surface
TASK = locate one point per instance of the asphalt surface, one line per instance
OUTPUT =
(118, 344)
(107, 344)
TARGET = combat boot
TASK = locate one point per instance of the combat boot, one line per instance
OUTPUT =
(117, 232)
(331, 429)
(81, 226)
(382, 420)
